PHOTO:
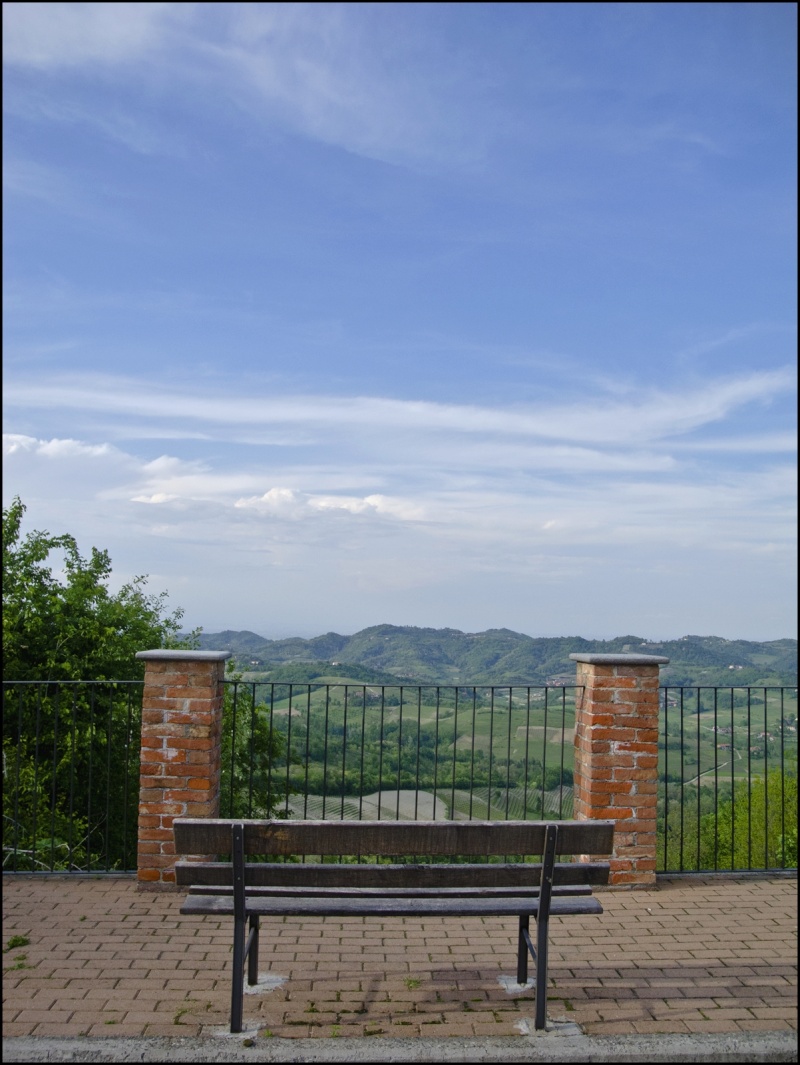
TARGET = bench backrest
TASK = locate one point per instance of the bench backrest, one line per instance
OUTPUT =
(390, 838)
(464, 839)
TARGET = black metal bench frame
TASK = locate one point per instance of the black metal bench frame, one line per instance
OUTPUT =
(248, 891)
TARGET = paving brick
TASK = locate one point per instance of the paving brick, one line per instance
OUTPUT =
(698, 962)
(755, 1025)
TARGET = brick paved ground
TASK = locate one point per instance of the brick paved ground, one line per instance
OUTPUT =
(691, 955)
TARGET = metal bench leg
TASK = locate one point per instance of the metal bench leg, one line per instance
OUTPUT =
(540, 1020)
(237, 978)
(523, 946)
(252, 950)
(239, 926)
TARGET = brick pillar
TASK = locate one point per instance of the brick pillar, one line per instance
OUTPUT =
(616, 756)
(180, 753)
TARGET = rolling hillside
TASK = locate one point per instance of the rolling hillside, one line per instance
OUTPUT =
(383, 654)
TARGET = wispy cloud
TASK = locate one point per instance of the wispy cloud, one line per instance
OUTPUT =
(139, 133)
(648, 416)
(51, 36)
(341, 74)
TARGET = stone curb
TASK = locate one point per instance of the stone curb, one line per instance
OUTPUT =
(564, 1043)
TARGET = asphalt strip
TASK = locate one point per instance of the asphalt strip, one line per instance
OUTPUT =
(563, 1043)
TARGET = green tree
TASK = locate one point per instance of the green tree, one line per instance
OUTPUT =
(756, 828)
(73, 627)
(71, 750)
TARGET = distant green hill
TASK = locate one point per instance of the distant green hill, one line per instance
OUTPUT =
(384, 654)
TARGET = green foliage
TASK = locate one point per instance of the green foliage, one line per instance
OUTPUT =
(74, 628)
(71, 750)
(748, 826)
(756, 827)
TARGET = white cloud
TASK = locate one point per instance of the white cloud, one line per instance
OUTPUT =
(287, 503)
(55, 448)
(50, 36)
(369, 81)
(647, 416)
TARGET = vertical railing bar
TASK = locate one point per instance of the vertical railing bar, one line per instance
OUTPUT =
(766, 785)
(683, 772)
(733, 782)
(666, 778)
(527, 748)
(544, 745)
(251, 759)
(508, 749)
(272, 730)
(36, 775)
(232, 780)
(325, 749)
(54, 784)
(455, 748)
(18, 759)
(308, 747)
(491, 755)
(380, 759)
(699, 774)
(128, 745)
(783, 785)
(108, 777)
(749, 780)
(344, 748)
(363, 746)
(436, 751)
(73, 715)
(472, 750)
(89, 828)
(400, 757)
(563, 743)
(716, 780)
(287, 749)
(419, 746)
(364, 694)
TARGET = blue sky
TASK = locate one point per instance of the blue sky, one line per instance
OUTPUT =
(468, 315)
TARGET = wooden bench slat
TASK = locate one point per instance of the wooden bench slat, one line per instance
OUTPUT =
(210, 836)
(388, 892)
(388, 907)
(189, 874)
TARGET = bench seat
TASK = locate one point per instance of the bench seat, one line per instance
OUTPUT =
(374, 906)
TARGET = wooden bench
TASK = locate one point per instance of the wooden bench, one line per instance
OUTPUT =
(363, 887)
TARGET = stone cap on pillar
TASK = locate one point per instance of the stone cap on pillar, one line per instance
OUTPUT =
(189, 656)
(618, 659)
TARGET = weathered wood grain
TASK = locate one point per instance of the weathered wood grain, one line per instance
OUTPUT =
(376, 906)
(434, 876)
(468, 838)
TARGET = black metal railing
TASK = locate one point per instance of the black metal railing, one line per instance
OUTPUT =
(727, 775)
(70, 775)
(727, 779)
(406, 751)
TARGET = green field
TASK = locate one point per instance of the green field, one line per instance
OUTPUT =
(727, 734)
